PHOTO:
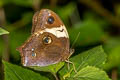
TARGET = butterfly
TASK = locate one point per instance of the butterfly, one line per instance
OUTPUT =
(49, 41)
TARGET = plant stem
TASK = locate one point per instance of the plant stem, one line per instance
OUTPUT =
(56, 77)
(114, 74)
(5, 52)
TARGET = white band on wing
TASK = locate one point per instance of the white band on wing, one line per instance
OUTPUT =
(57, 31)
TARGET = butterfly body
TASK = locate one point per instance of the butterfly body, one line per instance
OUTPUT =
(48, 43)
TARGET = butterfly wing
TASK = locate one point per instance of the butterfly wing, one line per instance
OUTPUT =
(49, 42)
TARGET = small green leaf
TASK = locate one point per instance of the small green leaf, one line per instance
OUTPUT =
(89, 73)
(2, 31)
(93, 57)
(14, 72)
(51, 68)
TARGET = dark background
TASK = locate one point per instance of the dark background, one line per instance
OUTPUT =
(98, 22)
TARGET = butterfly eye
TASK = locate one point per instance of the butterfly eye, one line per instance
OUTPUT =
(33, 54)
(50, 20)
(47, 40)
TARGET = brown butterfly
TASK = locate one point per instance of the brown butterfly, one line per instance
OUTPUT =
(48, 43)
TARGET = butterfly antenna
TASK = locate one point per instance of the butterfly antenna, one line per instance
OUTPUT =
(75, 40)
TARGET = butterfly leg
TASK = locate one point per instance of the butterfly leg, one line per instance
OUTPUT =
(68, 65)
(69, 62)
(71, 52)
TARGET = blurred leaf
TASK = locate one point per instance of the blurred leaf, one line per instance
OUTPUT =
(19, 33)
(51, 68)
(65, 12)
(25, 3)
(89, 73)
(2, 31)
(93, 57)
(1, 3)
(117, 9)
(27, 17)
(14, 72)
(112, 47)
(113, 58)
(111, 43)
(90, 33)
(17, 38)
(91, 30)
(23, 22)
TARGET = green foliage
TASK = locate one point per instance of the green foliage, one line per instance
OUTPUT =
(27, 17)
(26, 3)
(94, 57)
(112, 47)
(2, 31)
(96, 27)
(90, 30)
(16, 41)
(18, 36)
(89, 73)
(66, 11)
(87, 65)
(14, 72)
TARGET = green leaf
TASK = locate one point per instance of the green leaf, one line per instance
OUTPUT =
(2, 31)
(14, 72)
(51, 68)
(93, 57)
(112, 47)
(89, 73)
